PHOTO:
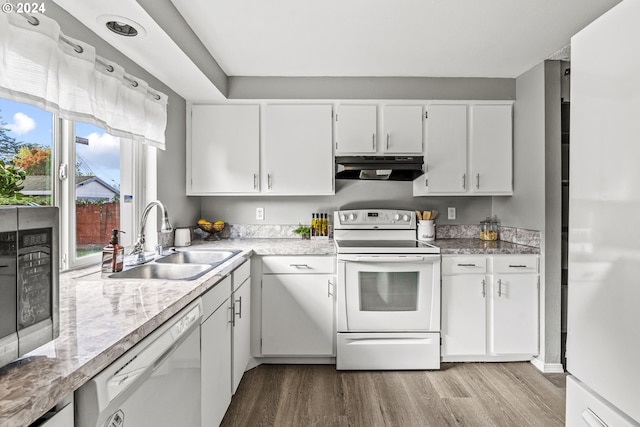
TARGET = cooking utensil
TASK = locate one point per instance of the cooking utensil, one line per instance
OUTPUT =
(419, 215)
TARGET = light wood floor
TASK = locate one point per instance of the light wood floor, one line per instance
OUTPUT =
(460, 394)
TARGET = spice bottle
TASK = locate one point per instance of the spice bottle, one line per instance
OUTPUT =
(489, 229)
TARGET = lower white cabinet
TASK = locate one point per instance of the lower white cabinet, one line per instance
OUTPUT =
(298, 306)
(61, 415)
(224, 342)
(241, 336)
(490, 307)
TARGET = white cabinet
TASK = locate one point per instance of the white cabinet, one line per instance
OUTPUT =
(489, 307)
(215, 348)
(468, 150)
(298, 306)
(445, 150)
(402, 128)
(398, 130)
(298, 158)
(490, 149)
(223, 149)
(230, 151)
(241, 336)
(356, 129)
(61, 415)
(224, 342)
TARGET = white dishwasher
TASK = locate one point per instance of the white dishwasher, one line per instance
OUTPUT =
(156, 383)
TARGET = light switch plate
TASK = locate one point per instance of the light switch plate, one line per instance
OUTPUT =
(451, 213)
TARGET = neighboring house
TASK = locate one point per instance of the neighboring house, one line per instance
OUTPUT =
(87, 187)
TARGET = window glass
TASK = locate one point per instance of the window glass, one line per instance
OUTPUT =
(26, 142)
(97, 187)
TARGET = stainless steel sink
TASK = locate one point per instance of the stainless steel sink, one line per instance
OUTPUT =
(164, 271)
(211, 257)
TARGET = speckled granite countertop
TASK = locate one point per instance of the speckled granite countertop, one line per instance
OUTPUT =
(101, 319)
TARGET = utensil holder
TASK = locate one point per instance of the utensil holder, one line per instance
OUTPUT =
(426, 230)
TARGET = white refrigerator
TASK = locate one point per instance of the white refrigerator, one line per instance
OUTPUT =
(603, 341)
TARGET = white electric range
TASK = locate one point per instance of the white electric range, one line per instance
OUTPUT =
(388, 293)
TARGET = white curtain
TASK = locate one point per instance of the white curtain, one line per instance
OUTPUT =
(41, 66)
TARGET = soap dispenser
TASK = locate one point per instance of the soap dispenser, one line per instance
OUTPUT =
(113, 254)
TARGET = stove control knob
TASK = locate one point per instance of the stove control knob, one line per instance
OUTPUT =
(396, 217)
(352, 217)
(343, 217)
(405, 218)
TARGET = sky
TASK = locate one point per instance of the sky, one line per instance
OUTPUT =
(30, 124)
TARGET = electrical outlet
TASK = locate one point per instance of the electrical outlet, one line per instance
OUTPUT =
(451, 213)
(260, 214)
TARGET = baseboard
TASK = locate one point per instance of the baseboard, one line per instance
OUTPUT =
(547, 368)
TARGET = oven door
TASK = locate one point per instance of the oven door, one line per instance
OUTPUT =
(389, 293)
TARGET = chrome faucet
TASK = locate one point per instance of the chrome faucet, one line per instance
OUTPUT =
(138, 247)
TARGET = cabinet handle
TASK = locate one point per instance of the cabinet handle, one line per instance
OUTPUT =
(329, 286)
(239, 313)
(484, 288)
(232, 308)
(499, 287)
(255, 181)
(517, 266)
(269, 181)
(466, 265)
(388, 138)
(464, 181)
(478, 181)
(373, 141)
(306, 266)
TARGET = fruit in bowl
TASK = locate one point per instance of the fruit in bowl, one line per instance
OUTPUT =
(211, 227)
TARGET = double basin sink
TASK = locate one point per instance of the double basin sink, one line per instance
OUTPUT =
(183, 265)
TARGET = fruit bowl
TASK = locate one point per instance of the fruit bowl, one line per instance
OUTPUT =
(212, 228)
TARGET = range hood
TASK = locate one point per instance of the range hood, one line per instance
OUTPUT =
(390, 168)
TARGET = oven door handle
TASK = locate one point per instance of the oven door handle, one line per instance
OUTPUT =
(395, 259)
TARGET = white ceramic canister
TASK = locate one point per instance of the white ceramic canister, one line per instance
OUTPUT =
(182, 237)
(426, 230)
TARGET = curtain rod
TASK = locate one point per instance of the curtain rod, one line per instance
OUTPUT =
(79, 49)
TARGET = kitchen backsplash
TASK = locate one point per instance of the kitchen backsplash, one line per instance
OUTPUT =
(520, 236)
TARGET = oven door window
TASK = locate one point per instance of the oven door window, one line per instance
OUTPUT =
(387, 291)
(388, 296)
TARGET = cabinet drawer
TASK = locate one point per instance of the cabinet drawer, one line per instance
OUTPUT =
(241, 274)
(298, 264)
(464, 265)
(215, 297)
(515, 264)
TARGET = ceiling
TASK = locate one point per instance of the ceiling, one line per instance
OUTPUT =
(186, 40)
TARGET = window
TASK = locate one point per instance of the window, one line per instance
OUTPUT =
(79, 168)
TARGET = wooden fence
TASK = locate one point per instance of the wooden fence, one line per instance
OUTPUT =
(94, 223)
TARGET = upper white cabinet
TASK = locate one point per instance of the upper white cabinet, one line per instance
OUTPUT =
(297, 153)
(223, 149)
(402, 128)
(361, 131)
(490, 149)
(356, 129)
(468, 150)
(230, 151)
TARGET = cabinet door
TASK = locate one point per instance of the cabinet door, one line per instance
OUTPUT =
(491, 147)
(223, 151)
(445, 151)
(215, 347)
(298, 315)
(514, 317)
(241, 332)
(298, 158)
(402, 129)
(356, 129)
(464, 315)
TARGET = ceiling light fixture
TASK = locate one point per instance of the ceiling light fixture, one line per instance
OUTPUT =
(122, 26)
